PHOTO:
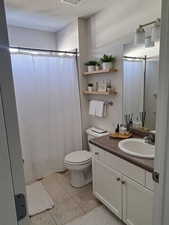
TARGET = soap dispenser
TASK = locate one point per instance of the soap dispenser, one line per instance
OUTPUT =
(117, 128)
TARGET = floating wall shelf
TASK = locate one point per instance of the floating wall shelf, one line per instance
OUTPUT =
(106, 93)
(100, 72)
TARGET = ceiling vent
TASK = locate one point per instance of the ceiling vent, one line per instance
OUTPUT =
(72, 2)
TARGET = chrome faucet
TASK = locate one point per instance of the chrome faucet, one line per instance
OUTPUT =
(150, 139)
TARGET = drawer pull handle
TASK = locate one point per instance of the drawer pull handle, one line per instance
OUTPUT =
(118, 179)
(96, 153)
(123, 182)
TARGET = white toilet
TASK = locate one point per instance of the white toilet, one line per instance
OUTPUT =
(80, 162)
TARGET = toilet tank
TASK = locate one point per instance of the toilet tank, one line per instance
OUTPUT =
(91, 134)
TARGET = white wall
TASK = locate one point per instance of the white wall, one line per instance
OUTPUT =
(21, 37)
(119, 21)
(67, 38)
(83, 56)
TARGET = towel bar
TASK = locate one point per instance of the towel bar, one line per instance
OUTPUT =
(105, 102)
(108, 103)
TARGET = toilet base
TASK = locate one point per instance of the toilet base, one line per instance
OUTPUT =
(80, 178)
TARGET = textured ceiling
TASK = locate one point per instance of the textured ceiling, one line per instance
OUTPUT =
(49, 15)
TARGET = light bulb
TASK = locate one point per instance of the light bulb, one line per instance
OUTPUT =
(155, 32)
(148, 42)
(139, 36)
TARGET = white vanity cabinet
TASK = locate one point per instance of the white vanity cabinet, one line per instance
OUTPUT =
(137, 203)
(107, 187)
(122, 187)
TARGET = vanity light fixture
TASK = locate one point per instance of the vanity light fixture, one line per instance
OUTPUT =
(155, 33)
(140, 35)
(148, 42)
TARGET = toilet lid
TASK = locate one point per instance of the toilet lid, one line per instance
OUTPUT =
(78, 157)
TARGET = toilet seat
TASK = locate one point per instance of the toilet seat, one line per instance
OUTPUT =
(78, 158)
(79, 163)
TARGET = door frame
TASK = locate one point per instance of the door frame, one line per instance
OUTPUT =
(6, 186)
(10, 113)
(161, 203)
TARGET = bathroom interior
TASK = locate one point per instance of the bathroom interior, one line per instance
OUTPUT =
(86, 84)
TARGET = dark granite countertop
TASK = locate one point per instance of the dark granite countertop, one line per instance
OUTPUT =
(111, 145)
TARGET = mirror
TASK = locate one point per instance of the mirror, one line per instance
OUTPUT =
(140, 83)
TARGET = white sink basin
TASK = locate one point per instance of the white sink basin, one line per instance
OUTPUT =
(137, 147)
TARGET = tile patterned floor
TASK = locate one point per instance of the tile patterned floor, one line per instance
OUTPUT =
(70, 203)
(98, 216)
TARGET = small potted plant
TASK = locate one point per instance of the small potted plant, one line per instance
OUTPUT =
(90, 87)
(107, 62)
(91, 66)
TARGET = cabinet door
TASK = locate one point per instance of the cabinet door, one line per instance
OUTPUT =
(107, 187)
(137, 204)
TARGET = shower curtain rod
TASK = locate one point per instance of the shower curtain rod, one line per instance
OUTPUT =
(45, 50)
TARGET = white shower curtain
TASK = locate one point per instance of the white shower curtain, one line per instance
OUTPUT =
(48, 104)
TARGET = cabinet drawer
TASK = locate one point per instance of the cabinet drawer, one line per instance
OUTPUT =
(134, 172)
(126, 168)
(97, 153)
(149, 181)
(113, 161)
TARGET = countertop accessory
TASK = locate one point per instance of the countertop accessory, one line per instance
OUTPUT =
(123, 129)
(117, 128)
(121, 136)
(137, 123)
(128, 121)
(142, 118)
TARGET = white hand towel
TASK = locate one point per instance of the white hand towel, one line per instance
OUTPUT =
(92, 108)
(100, 109)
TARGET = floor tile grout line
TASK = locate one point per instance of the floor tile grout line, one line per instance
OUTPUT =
(62, 182)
